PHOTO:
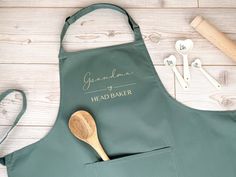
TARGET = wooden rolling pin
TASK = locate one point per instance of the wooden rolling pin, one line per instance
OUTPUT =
(216, 37)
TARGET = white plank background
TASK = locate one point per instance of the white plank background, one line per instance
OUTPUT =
(29, 43)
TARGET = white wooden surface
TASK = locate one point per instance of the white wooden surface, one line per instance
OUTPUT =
(29, 42)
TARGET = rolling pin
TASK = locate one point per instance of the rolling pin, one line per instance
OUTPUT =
(217, 38)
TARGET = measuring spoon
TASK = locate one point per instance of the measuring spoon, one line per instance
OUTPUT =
(198, 65)
(171, 62)
(83, 127)
(183, 47)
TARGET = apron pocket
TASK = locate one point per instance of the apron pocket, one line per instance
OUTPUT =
(158, 163)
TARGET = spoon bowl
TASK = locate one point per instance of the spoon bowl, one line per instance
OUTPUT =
(183, 47)
(83, 126)
(197, 63)
(170, 61)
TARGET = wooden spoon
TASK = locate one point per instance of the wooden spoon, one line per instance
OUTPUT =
(83, 127)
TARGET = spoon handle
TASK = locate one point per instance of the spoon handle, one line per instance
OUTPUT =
(94, 142)
(182, 82)
(211, 79)
(186, 68)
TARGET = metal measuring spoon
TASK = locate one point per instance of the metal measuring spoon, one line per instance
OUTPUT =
(183, 47)
(198, 65)
(171, 62)
(83, 127)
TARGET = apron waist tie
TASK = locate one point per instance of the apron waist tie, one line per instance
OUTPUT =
(24, 105)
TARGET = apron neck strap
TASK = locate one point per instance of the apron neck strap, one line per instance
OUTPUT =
(71, 19)
(24, 105)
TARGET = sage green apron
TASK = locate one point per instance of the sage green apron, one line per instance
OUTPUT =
(145, 132)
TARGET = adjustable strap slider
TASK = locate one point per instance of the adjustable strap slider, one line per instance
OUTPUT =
(2, 161)
(67, 20)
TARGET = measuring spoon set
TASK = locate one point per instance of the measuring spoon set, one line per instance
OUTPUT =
(183, 47)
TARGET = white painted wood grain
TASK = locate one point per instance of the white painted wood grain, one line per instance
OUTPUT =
(3, 171)
(21, 136)
(203, 95)
(31, 36)
(83, 3)
(41, 84)
(217, 3)
(34, 38)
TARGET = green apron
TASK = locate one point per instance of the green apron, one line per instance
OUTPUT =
(145, 132)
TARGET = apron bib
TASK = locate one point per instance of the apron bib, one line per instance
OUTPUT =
(144, 131)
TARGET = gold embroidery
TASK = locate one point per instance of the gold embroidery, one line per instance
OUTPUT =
(89, 79)
(111, 95)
